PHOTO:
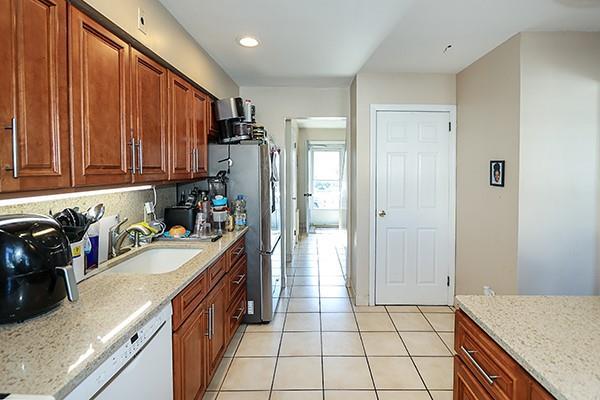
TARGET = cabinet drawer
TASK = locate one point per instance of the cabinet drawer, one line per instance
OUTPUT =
(236, 279)
(496, 371)
(236, 251)
(235, 314)
(216, 271)
(186, 301)
(466, 387)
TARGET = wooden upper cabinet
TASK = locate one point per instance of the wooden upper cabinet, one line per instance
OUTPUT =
(213, 125)
(180, 128)
(149, 118)
(101, 137)
(200, 117)
(34, 147)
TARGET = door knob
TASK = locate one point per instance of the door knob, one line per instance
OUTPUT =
(381, 213)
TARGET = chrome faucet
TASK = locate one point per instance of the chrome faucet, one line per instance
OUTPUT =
(117, 238)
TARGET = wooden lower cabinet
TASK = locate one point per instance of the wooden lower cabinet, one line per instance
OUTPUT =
(483, 370)
(201, 336)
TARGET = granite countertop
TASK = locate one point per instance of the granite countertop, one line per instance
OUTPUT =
(555, 339)
(53, 353)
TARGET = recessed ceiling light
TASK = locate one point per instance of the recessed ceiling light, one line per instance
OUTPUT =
(248, 41)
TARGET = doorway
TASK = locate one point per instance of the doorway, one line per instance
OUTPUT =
(414, 204)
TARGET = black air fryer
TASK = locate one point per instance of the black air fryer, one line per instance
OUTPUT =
(35, 267)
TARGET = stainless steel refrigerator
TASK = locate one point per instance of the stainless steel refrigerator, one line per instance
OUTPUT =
(254, 173)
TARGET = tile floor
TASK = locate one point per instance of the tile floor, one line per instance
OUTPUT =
(320, 346)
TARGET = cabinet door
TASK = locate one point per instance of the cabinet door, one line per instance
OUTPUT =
(217, 340)
(180, 132)
(99, 67)
(200, 106)
(189, 362)
(149, 118)
(466, 387)
(213, 125)
(35, 147)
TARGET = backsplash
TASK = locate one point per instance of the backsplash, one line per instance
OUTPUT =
(126, 204)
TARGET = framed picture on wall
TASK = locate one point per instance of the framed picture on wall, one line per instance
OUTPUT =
(497, 173)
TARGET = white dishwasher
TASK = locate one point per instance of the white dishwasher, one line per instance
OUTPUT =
(140, 369)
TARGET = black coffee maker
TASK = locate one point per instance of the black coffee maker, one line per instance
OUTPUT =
(36, 271)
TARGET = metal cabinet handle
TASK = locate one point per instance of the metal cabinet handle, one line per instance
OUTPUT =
(469, 353)
(240, 279)
(241, 313)
(209, 330)
(15, 148)
(133, 155)
(196, 160)
(238, 251)
(212, 325)
(140, 157)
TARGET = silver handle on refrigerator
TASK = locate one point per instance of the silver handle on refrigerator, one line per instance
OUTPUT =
(140, 157)
(15, 148)
(133, 155)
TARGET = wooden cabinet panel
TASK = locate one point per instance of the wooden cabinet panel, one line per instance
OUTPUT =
(536, 392)
(237, 278)
(213, 125)
(180, 131)
(34, 81)
(466, 387)
(189, 298)
(99, 67)
(235, 314)
(237, 251)
(189, 357)
(200, 115)
(149, 118)
(217, 301)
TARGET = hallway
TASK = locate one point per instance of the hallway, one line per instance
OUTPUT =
(320, 346)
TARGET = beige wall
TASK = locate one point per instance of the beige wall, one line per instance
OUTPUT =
(406, 88)
(304, 136)
(558, 195)
(169, 40)
(488, 93)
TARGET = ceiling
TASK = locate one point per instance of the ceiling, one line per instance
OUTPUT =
(324, 43)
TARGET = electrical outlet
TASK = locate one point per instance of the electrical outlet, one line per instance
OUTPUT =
(250, 307)
(141, 21)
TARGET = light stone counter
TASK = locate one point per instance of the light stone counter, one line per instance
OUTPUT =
(52, 354)
(555, 339)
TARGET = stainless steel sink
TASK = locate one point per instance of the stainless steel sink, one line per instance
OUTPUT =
(155, 261)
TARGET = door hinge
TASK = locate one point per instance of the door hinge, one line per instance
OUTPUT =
(448, 281)
(449, 126)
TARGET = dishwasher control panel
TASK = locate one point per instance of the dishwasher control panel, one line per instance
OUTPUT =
(121, 357)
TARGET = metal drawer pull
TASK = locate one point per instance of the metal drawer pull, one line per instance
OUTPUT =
(240, 279)
(212, 324)
(133, 155)
(140, 157)
(489, 378)
(237, 317)
(238, 251)
(209, 332)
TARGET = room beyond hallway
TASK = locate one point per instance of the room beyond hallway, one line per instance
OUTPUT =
(321, 346)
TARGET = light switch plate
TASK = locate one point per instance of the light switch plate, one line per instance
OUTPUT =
(141, 21)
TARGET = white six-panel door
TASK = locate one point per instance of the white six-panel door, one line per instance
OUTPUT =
(413, 215)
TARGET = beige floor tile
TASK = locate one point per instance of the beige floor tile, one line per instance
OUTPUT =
(436, 309)
(307, 272)
(329, 272)
(395, 373)
(441, 322)
(336, 305)
(233, 345)
(346, 373)
(306, 281)
(243, 395)
(334, 291)
(302, 322)
(400, 309)
(301, 344)
(210, 396)
(298, 373)
(217, 380)
(282, 305)
(436, 372)
(424, 344)
(374, 322)
(276, 325)
(350, 395)
(383, 344)
(448, 339)
(286, 292)
(303, 305)
(249, 374)
(445, 395)
(402, 395)
(369, 309)
(297, 395)
(305, 291)
(338, 322)
(342, 344)
(263, 344)
(333, 281)
(410, 322)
